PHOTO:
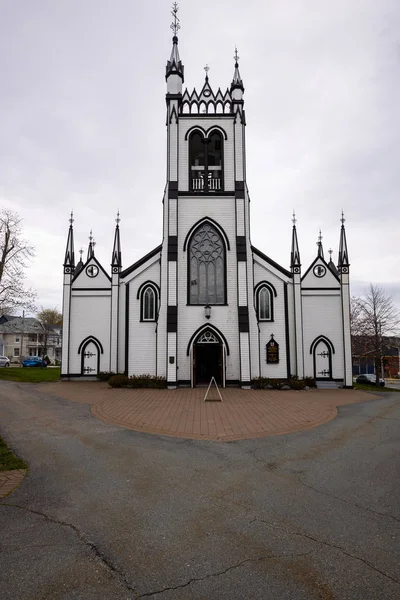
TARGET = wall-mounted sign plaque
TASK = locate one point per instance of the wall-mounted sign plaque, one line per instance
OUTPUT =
(272, 352)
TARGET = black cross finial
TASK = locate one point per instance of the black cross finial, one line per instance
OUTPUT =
(175, 26)
(294, 220)
(236, 57)
(90, 237)
(117, 220)
(71, 218)
(342, 220)
(319, 238)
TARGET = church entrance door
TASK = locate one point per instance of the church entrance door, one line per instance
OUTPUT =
(322, 361)
(208, 360)
(90, 359)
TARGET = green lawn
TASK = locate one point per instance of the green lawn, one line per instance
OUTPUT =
(30, 374)
(8, 460)
(374, 388)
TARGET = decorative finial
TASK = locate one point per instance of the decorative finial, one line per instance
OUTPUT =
(330, 253)
(71, 219)
(117, 220)
(206, 68)
(342, 220)
(90, 237)
(81, 252)
(236, 57)
(175, 25)
(294, 220)
(319, 238)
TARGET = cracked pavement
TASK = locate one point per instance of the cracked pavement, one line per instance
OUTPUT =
(115, 514)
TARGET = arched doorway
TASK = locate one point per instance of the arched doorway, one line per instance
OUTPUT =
(322, 360)
(208, 359)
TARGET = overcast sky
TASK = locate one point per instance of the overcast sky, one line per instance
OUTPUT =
(82, 122)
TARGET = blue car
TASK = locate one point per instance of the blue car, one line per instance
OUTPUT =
(34, 361)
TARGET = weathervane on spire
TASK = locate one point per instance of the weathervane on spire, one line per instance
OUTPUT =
(71, 219)
(236, 57)
(175, 25)
(90, 237)
(319, 238)
(294, 220)
(342, 220)
(117, 220)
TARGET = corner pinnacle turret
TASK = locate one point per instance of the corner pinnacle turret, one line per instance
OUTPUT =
(116, 261)
(237, 83)
(320, 247)
(69, 260)
(174, 65)
(343, 259)
(295, 263)
(92, 243)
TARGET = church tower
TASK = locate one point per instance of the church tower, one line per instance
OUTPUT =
(205, 231)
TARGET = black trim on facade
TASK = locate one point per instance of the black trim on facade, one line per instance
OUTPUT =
(173, 190)
(90, 338)
(241, 248)
(287, 334)
(321, 289)
(272, 262)
(108, 289)
(322, 338)
(204, 132)
(126, 328)
(172, 319)
(243, 314)
(272, 294)
(211, 222)
(218, 194)
(172, 248)
(206, 140)
(269, 285)
(239, 190)
(94, 259)
(141, 262)
(321, 259)
(140, 293)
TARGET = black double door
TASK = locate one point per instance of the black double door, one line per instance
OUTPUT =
(207, 363)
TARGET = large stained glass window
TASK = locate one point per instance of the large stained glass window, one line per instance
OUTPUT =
(206, 266)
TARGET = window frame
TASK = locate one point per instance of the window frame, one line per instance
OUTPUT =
(188, 243)
(143, 291)
(206, 139)
(270, 289)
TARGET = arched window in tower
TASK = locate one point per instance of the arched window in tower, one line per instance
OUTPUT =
(205, 162)
(148, 304)
(206, 266)
(264, 304)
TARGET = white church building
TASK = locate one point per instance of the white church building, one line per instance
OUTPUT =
(206, 302)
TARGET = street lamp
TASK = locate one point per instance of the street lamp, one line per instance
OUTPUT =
(207, 311)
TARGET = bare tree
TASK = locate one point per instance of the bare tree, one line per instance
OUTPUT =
(15, 253)
(373, 317)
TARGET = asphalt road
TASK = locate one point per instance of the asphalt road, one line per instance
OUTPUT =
(106, 513)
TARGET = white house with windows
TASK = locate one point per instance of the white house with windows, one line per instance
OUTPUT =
(206, 302)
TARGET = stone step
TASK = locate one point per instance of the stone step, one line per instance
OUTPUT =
(329, 385)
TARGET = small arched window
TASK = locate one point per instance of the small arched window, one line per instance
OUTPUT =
(149, 304)
(206, 258)
(205, 162)
(264, 304)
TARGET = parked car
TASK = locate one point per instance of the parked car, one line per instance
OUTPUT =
(370, 378)
(34, 361)
(4, 361)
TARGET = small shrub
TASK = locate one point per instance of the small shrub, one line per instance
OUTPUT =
(310, 381)
(297, 384)
(260, 383)
(118, 381)
(105, 375)
(147, 381)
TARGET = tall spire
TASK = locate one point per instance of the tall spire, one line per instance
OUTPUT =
(319, 244)
(69, 260)
(174, 65)
(116, 262)
(92, 243)
(237, 83)
(343, 260)
(295, 263)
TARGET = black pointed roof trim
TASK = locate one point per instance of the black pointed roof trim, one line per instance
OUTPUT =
(272, 262)
(141, 261)
(322, 259)
(94, 259)
(333, 268)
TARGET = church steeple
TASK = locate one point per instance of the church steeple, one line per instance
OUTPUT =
(320, 247)
(92, 243)
(116, 262)
(69, 260)
(343, 260)
(237, 83)
(295, 263)
(174, 70)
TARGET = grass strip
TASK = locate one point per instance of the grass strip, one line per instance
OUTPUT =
(8, 460)
(30, 374)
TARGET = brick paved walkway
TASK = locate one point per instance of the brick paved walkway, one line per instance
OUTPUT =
(9, 480)
(183, 413)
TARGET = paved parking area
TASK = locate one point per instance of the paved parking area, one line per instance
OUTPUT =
(243, 414)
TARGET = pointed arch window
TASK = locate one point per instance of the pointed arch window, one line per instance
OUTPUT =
(205, 162)
(207, 266)
(264, 303)
(149, 303)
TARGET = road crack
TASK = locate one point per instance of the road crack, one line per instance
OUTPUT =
(96, 551)
(325, 543)
(219, 573)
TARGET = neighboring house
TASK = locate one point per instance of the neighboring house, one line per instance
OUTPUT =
(206, 302)
(364, 358)
(26, 336)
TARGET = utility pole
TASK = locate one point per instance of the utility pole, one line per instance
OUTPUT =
(22, 336)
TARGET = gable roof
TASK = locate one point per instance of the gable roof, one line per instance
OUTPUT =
(141, 261)
(271, 262)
